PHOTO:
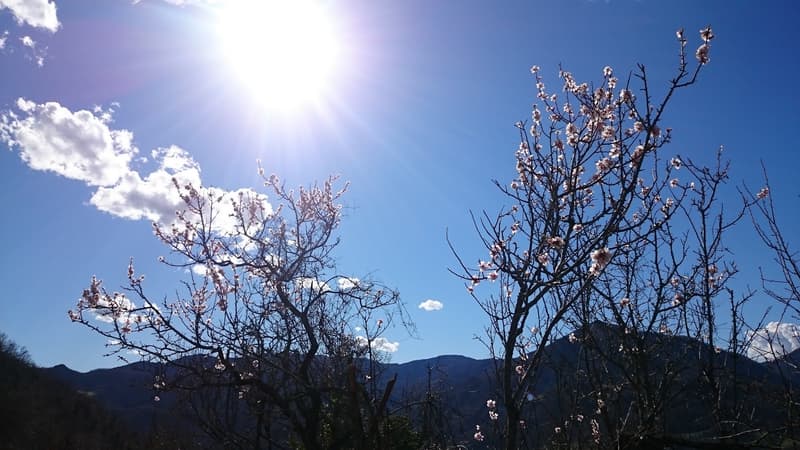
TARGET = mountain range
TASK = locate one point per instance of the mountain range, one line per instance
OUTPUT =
(461, 386)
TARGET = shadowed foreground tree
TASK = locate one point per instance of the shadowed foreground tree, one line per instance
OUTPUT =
(272, 346)
(661, 357)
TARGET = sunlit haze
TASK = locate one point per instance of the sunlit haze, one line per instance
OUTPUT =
(284, 52)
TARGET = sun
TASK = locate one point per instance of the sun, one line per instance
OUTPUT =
(283, 52)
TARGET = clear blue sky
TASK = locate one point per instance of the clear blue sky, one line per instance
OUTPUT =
(418, 116)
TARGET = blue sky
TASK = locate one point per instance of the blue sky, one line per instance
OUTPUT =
(418, 116)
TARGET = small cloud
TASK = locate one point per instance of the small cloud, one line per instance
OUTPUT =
(3, 38)
(380, 344)
(347, 283)
(117, 307)
(431, 305)
(27, 41)
(312, 284)
(773, 341)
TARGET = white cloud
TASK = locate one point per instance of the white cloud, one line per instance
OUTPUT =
(773, 341)
(431, 305)
(118, 302)
(81, 146)
(27, 41)
(36, 13)
(380, 344)
(312, 284)
(347, 283)
(153, 197)
(156, 198)
(75, 145)
(3, 38)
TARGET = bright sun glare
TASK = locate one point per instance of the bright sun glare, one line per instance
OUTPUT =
(283, 51)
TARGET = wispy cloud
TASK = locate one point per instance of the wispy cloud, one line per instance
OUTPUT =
(773, 341)
(33, 51)
(431, 305)
(82, 146)
(36, 13)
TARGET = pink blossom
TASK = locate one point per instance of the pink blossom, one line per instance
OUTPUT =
(702, 54)
(763, 193)
(655, 131)
(491, 404)
(706, 34)
(601, 257)
(543, 258)
(604, 165)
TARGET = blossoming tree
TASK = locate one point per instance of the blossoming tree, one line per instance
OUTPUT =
(267, 326)
(591, 183)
